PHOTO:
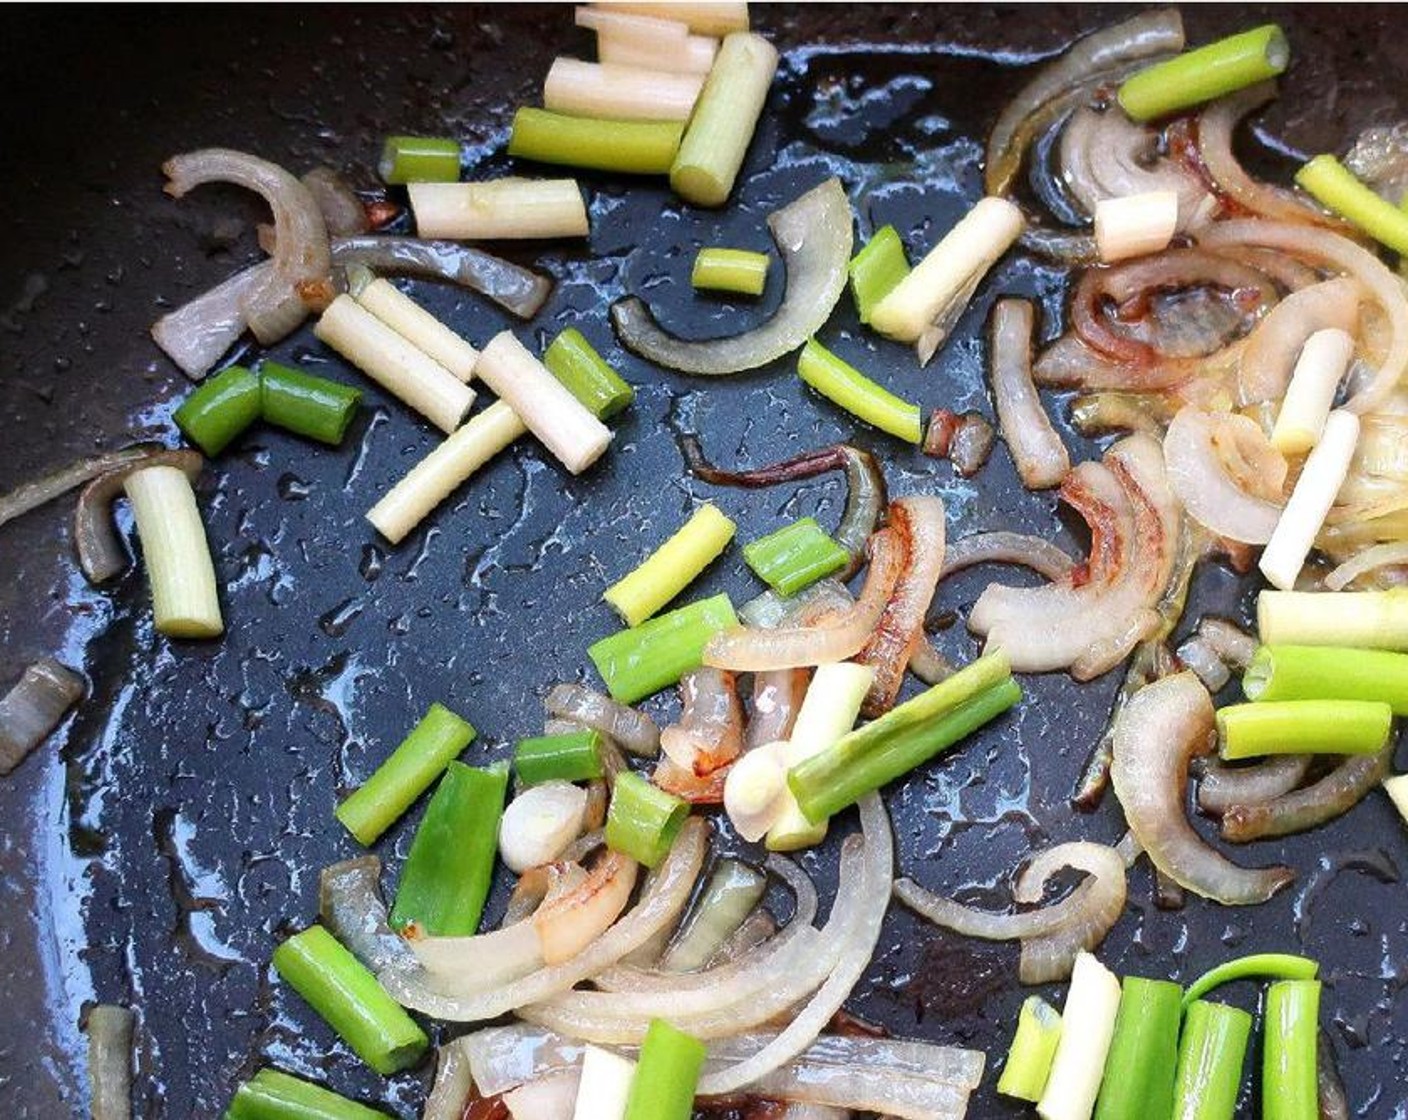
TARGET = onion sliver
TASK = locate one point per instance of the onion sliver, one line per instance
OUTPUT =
(1365, 562)
(453, 1085)
(567, 925)
(1003, 547)
(1221, 785)
(351, 906)
(1040, 456)
(709, 734)
(1336, 793)
(502, 1058)
(747, 649)
(1199, 477)
(1162, 728)
(100, 551)
(31, 495)
(196, 335)
(632, 729)
(813, 236)
(1270, 353)
(659, 906)
(36, 705)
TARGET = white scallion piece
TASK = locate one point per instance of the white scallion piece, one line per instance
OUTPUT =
(605, 1085)
(539, 823)
(1397, 789)
(648, 42)
(1135, 225)
(502, 210)
(621, 93)
(564, 425)
(1087, 1028)
(755, 790)
(1320, 481)
(185, 603)
(935, 291)
(1322, 364)
(419, 327)
(829, 710)
(718, 135)
(435, 477)
(394, 363)
(703, 18)
(1353, 619)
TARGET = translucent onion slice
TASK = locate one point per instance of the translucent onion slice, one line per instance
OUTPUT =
(1162, 728)
(36, 705)
(1269, 356)
(1003, 547)
(450, 1093)
(31, 495)
(351, 906)
(709, 734)
(1333, 795)
(1222, 785)
(198, 333)
(1037, 451)
(632, 729)
(567, 925)
(1199, 476)
(813, 236)
(101, 555)
(502, 1058)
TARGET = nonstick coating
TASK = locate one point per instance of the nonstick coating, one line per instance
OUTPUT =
(156, 852)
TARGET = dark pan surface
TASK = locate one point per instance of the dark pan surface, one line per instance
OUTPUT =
(159, 850)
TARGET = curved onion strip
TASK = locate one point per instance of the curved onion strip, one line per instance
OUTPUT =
(342, 211)
(36, 705)
(502, 956)
(919, 524)
(757, 929)
(198, 333)
(1336, 793)
(1270, 353)
(1070, 363)
(31, 495)
(548, 1098)
(454, 1083)
(1064, 246)
(1002, 547)
(776, 698)
(1162, 728)
(568, 924)
(865, 487)
(709, 734)
(811, 1020)
(1233, 644)
(659, 906)
(100, 552)
(1196, 655)
(1199, 476)
(1221, 786)
(1037, 451)
(746, 649)
(928, 664)
(822, 1091)
(1332, 249)
(813, 236)
(1215, 127)
(947, 1064)
(109, 1030)
(537, 884)
(632, 729)
(1105, 155)
(351, 906)
(302, 273)
(512, 287)
(1146, 35)
(1363, 563)
(502, 1058)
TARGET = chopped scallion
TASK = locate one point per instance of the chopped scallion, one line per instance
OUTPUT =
(499, 210)
(272, 1094)
(1139, 1070)
(571, 757)
(640, 661)
(1279, 966)
(1034, 1045)
(419, 159)
(667, 1074)
(844, 385)
(634, 147)
(574, 361)
(1210, 1057)
(877, 269)
(1288, 1070)
(1355, 619)
(306, 405)
(672, 567)
(730, 270)
(643, 819)
(1334, 186)
(1205, 74)
(795, 556)
(1087, 1029)
(1304, 727)
(408, 318)
(185, 603)
(219, 409)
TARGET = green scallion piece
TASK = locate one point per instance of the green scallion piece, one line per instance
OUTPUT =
(419, 159)
(272, 1094)
(643, 820)
(1288, 1068)
(1334, 186)
(844, 385)
(1209, 72)
(1034, 1045)
(640, 661)
(795, 556)
(573, 757)
(1210, 1057)
(904, 737)
(1277, 966)
(877, 269)
(219, 409)
(1143, 1058)
(306, 405)
(667, 1074)
(1328, 673)
(340, 989)
(635, 147)
(672, 567)
(436, 740)
(730, 270)
(573, 361)
(1304, 727)
(451, 866)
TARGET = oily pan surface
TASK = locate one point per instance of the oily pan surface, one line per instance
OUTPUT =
(157, 850)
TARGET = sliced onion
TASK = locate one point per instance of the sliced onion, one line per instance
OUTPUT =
(351, 906)
(198, 333)
(946, 1064)
(769, 610)
(1234, 645)
(813, 236)
(31, 495)
(1270, 354)
(1221, 785)
(1201, 659)
(110, 1061)
(1146, 35)
(342, 211)
(1003, 547)
(549, 1098)
(1334, 794)
(1162, 728)
(1330, 248)
(1037, 451)
(302, 273)
(865, 487)
(776, 698)
(746, 649)
(1057, 932)
(928, 664)
(502, 1058)
(36, 705)
(709, 734)
(453, 1087)
(918, 523)
(567, 925)
(1199, 475)
(659, 906)
(511, 286)
(757, 929)
(100, 551)
(684, 782)
(1389, 554)
(632, 729)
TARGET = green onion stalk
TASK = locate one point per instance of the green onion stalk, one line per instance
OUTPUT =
(1288, 1069)
(844, 385)
(215, 414)
(1277, 966)
(1210, 1058)
(1304, 727)
(272, 1094)
(306, 405)
(638, 662)
(419, 159)
(666, 1076)
(574, 361)
(643, 819)
(1334, 186)
(634, 147)
(1139, 1070)
(575, 756)
(740, 271)
(672, 567)
(1205, 74)
(1328, 673)
(795, 557)
(1034, 1045)
(877, 269)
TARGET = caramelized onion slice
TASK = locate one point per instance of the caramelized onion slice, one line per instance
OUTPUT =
(351, 906)
(813, 236)
(1198, 474)
(1271, 350)
(1040, 457)
(709, 734)
(568, 924)
(36, 705)
(31, 495)
(1222, 786)
(1159, 732)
